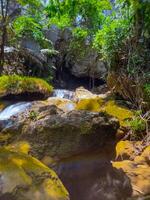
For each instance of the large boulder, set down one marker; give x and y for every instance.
(52, 132)
(23, 177)
(82, 64)
(80, 61)
(89, 65)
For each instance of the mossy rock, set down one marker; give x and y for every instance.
(14, 85)
(25, 178)
(138, 171)
(127, 149)
(90, 104)
(110, 107)
(120, 112)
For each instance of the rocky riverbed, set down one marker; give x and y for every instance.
(78, 137)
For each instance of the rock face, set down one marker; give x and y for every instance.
(86, 63)
(52, 132)
(89, 65)
(24, 61)
(25, 178)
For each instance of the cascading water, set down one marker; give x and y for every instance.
(66, 94)
(20, 107)
(13, 110)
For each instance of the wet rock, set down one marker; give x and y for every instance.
(64, 104)
(50, 131)
(104, 103)
(82, 93)
(23, 177)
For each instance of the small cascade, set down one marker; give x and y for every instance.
(65, 94)
(14, 109)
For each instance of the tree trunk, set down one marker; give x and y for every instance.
(4, 12)
(3, 40)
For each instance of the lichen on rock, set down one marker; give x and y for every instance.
(109, 106)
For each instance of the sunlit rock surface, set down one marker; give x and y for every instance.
(51, 131)
(138, 170)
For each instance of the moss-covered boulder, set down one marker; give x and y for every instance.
(28, 87)
(23, 177)
(90, 104)
(126, 149)
(138, 171)
(109, 106)
(52, 132)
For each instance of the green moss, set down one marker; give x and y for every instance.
(93, 104)
(118, 111)
(15, 84)
(110, 107)
(21, 171)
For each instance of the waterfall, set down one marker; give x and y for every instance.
(14, 109)
(66, 94)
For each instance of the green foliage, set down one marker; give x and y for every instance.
(33, 115)
(80, 33)
(83, 17)
(108, 40)
(49, 52)
(137, 124)
(32, 22)
(27, 26)
(147, 89)
(115, 29)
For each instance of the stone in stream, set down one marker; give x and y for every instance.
(53, 132)
(23, 177)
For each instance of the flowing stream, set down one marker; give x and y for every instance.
(65, 94)
(14, 109)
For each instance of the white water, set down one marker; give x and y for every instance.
(14, 110)
(20, 107)
(66, 94)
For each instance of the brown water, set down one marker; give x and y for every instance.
(92, 177)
